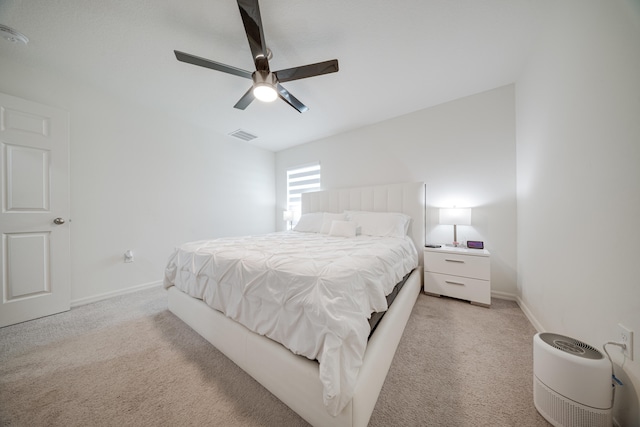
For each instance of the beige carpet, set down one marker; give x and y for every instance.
(129, 362)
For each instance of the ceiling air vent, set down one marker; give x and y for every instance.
(240, 134)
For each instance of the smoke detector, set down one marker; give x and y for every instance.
(12, 35)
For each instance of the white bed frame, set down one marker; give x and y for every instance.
(295, 379)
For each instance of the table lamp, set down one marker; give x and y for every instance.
(455, 217)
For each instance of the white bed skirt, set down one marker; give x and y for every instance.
(295, 379)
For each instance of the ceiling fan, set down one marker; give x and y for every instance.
(266, 83)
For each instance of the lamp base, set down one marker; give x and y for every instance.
(455, 236)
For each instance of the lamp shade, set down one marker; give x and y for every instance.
(455, 216)
(287, 215)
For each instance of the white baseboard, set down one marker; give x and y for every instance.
(536, 324)
(512, 297)
(96, 298)
(503, 295)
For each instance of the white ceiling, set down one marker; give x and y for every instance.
(395, 57)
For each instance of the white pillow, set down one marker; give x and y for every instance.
(342, 229)
(328, 218)
(310, 223)
(385, 224)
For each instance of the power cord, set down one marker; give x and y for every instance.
(613, 375)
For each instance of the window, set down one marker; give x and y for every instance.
(300, 180)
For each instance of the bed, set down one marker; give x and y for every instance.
(306, 385)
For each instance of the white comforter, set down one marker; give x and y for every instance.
(310, 292)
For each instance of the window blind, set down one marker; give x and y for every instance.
(300, 180)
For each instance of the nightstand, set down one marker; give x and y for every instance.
(459, 273)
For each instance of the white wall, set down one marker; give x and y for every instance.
(142, 181)
(464, 150)
(578, 163)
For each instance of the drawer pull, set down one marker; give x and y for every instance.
(454, 283)
(454, 260)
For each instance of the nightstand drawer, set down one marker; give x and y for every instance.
(458, 265)
(458, 287)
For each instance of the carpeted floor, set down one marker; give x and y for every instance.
(128, 361)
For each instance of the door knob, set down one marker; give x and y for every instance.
(58, 221)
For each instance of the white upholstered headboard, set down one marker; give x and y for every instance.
(407, 198)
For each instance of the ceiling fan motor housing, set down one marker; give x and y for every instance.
(261, 78)
(264, 86)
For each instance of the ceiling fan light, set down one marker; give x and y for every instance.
(265, 92)
(12, 35)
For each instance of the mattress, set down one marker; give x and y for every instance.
(377, 316)
(312, 293)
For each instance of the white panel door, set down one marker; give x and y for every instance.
(34, 253)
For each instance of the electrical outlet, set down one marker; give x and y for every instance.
(626, 338)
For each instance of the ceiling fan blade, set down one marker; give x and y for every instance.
(207, 63)
(305, 71)
(290, 99)
(250, 13)
(246, 99)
